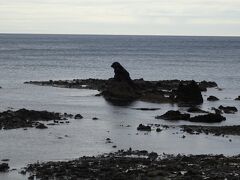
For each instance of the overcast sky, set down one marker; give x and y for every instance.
(153, 17)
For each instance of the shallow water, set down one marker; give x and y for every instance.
(29, 57)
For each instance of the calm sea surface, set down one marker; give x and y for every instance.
(44, 57)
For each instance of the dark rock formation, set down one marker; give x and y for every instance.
(212, 98)
(78, 116)
(174, 115)
(189, 93)
(209, 118)
(26, 118)
(228, 109)
(4, 167)
(121, 87)
(238, 98)
(122, 90)
(120, 73)
(196, 110)
(142, 127)
(216, 130)
(41, 126)
(203, 85)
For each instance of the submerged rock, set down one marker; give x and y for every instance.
(209, 118)
(228, 109)
(173, 115)
(212, 98)
(189, 93)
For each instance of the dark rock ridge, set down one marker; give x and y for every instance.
(196, 110)
(212, 98)
(122, 88)
(174, 115)
(27, 118)
(209, 118)
(177, 115)
(216, 130)
(228, 109)
(142, 127)
(189, 93)
(137, 165)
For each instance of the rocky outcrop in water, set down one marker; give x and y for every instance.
(121, 88)
(228, 109)
(24, 118)
(212, 98)
(173, 115)
(189, 93)
(238, 98)
(4, 167)
(209, 118)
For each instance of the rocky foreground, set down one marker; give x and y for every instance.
(137, 165)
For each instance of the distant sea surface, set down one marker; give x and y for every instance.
(44, 57)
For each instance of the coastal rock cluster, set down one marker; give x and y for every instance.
(139, 165)
(121, 88)
(24, 118)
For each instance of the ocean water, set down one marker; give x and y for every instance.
(44, 57)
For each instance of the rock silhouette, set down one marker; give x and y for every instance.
(189, 93)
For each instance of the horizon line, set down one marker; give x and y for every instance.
(83, 34)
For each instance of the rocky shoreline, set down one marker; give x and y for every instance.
(139, 165)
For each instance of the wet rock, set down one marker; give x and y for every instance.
(212, 98)
(41, 126)
(173, 115)
(24, 118)
(158, 130)
(209, 118)
(196, 110)
(207, 84)
(228, 109)
(4, 167)
(78, 116)
(142, 127)
(189, 93)
(238, 98)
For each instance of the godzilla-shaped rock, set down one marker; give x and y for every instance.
(121, 87)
